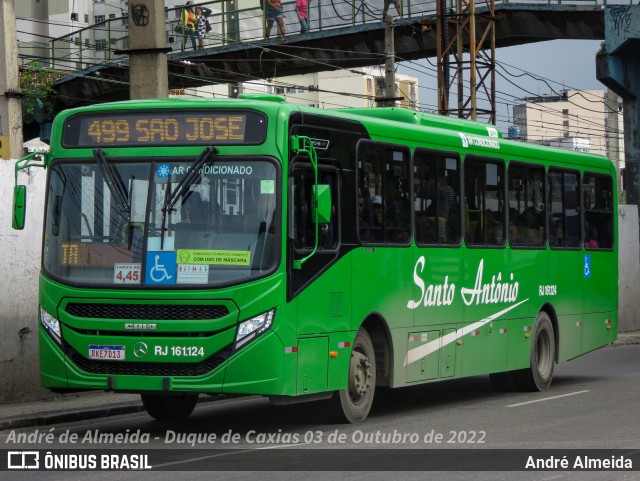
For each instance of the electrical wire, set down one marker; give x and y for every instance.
(328, 65)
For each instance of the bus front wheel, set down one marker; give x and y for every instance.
(355, 401)
(169, 407)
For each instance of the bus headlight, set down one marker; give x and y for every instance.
(252, 328)
(51, 325)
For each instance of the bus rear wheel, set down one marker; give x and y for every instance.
(355, 401)
(169, 407)
(539, 374)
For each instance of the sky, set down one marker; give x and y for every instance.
(564, 63)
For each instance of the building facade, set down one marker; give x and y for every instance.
(353, 88)
(584, 120)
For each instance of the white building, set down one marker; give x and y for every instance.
(584, 120)
(353, 88)
(85, 28)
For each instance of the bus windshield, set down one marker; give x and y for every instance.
(222, 228)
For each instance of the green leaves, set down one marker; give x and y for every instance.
(36, 84)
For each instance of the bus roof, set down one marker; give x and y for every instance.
(386, 123)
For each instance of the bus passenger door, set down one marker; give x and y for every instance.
(437, 265)
(487, 331)
(599, 269)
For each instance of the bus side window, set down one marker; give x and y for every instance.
(598, 211)
(303, 223)
(564, 209)
(526, 196)
(383, 190)
(436, 197)
(484, 195)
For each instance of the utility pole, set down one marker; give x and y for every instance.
(389, 99)
(10, 96)
(148, 72)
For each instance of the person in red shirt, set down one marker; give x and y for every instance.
(302, 9)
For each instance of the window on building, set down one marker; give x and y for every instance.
(101, 44)
(484, 197)
(526, 194)
(565, 112)
(291, 90)
(112, 16)
(565, 123)
(98, 18)
(86, 18)
(280, 90)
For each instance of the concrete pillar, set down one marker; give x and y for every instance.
(148, 73)
(619, 69)
(10, 98)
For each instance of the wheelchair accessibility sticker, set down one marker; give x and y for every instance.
(161, 268)
(587, 266)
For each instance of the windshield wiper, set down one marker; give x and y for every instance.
(171, 197)
(113, 181)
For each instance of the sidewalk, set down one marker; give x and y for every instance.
(97, 404)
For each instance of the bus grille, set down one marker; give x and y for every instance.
(125, 368)
(147, 312)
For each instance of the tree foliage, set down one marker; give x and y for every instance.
(38, 101)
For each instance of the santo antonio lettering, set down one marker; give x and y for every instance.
(493, 292)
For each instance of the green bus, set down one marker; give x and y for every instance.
(254, 246)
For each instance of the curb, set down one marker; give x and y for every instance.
(53, 417)
(84, 413)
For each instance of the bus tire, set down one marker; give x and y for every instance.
(539, 375)
(169, 407)
(355, 401)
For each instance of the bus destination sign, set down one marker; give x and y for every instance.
(157, 128)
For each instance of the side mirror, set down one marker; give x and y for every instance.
(19, 206)
(323, 209)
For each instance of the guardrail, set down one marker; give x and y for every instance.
(97, 43)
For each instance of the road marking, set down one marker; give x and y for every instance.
(547, 398)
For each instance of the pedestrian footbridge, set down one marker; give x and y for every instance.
(343, 34)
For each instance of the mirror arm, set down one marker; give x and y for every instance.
(24, 163)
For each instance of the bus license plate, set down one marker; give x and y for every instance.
(106, 353)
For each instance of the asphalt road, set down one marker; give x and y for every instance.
(592, 404)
